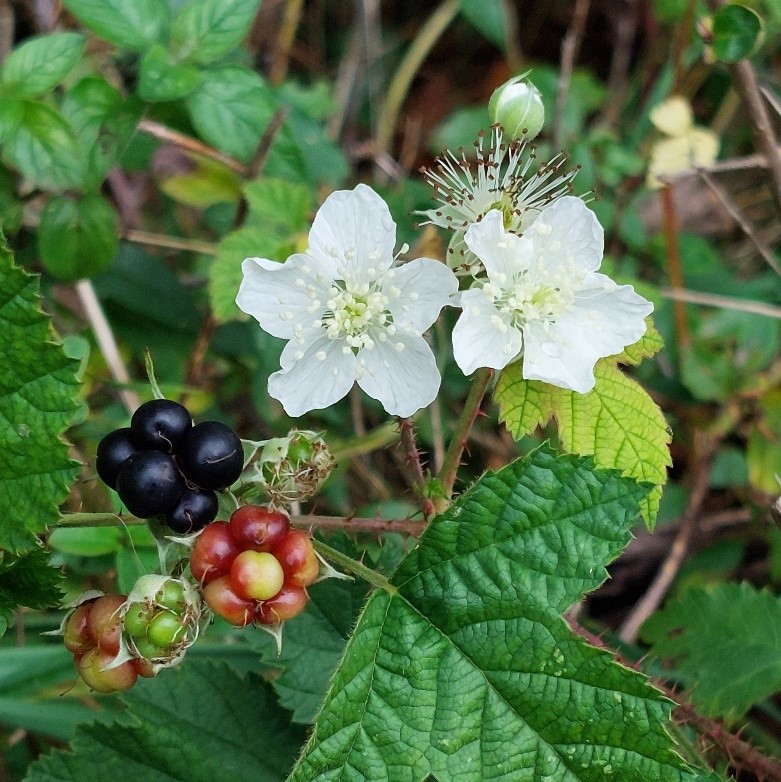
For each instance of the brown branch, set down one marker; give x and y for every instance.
(737, 215)
(618, 79)
(362, 525)
(170, 242)
(748, 87)
(189, 144)
(674, 264)
(722, 302)
(661, 584)
(569, 51)
(469, 413)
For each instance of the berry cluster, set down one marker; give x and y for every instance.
(93, 632)
(254, 568)
(157, 625)
(162, 465)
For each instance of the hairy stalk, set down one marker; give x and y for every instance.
(373, 440)
(356, 568)
(449, 471)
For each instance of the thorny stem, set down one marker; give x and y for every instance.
(373, 440)
(407, 432)
(356, 568)
(325, 523)
(737, 751)
(449, 471)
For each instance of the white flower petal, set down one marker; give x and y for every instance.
(482, 338)
(604, 319)
(353, 232)
(321, 377)
(418, 290)
(502, 253)
(401, 373)
(281, 295)
(566, 233)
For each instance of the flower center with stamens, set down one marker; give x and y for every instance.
(523, 300)
(353, 311)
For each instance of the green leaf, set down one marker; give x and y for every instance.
(43, 148)
(129, 25)
(617, 422)
(33, 680)
(196, 723)
(205, 30)
(78, 238)
(231, 109)
(103, 121)
(280, 207)
(11, 116)
(465, 669)
(86, 542)
(728, 640)
(737, 32)
(42, 62)
(313, 645)
(28, 580)
(225, 274)
(278, 211)
(163, 78)
(489, 17)
(38, 398)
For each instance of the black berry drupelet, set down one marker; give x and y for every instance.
(149, 484)
(113, 451)
(195, 509)
(160, 424)
(210, 455)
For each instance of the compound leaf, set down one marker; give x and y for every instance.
(38, 400)
(463, 669)
(197, 723)
(728, 640)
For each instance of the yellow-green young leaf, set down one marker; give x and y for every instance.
(208, 183)
(617, 422)
(523, 404)
(647, 346)
(38, 399)
(621, 426)
(763, 454)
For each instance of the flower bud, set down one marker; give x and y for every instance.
(517, 107)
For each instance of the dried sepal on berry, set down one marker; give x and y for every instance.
(290, 469)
